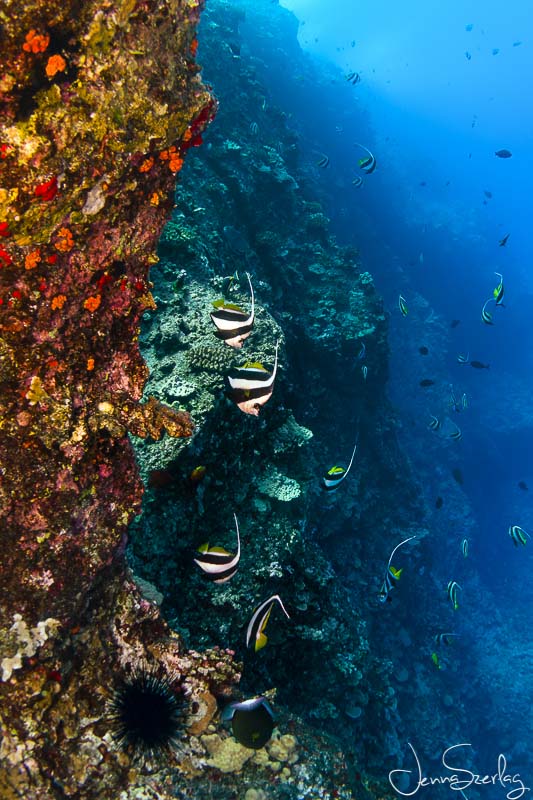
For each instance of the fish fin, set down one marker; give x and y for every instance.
(396, 572)
(335, 470)
(204, 547)
(261, 641)
(254, 365)
(219, 550)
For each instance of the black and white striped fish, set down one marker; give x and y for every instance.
(451, 591)
(217, 563)
(518, 535)
(233, 324)
(392, 575)
(251, 385)
(456, 433)
(486, 316)
(462, 359)
(335, 476)
(444, 638)
(255, 633)
(368, 163)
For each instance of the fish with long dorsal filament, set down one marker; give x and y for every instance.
(251, 385)
(256, 627)
(233, 324)
(368, 163)
(451, 591)
(335, 476)
(219, 565)
(392, 575)
(518, 535)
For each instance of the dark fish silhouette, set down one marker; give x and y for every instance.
(438, 502)
(479, 365)
(522, 485)
(487, 194)
(454, 323)
(503, 153)
(426, 382)
(503, 241)
(458, 475)
(423, 351)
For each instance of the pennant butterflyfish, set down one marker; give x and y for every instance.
(444, 638)
(434, 423)
(456, 434)
(353, 78)
(368, 163)
(252, 721)
(462, 359)
(217, 563)
(335, 476)
(323, 162)
(486, 316)
(518, 535)
(357, 181)
(251, 385)
(499, 290)
(233, 324)
(255, 632)
(464, 548)
(392, 575)
(451, 591)
(402, 305)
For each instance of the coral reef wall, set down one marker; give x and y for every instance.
(100, 104)
(247, 202)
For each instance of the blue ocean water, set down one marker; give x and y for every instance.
(442, 88)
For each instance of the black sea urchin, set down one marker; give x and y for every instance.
(146, 715)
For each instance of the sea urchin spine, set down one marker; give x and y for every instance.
(146, 714)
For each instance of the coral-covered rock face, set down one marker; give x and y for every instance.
(100, 103)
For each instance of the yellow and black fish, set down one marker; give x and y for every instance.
(451, 591)
(486, 316)
(255, 632)
(518, 535)
(252, 721)
(251, 385)
(368, 163)
(402, 305)
(392, 575)
(233, 324)
(217, 563)
(499, 290)
(335, 476)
